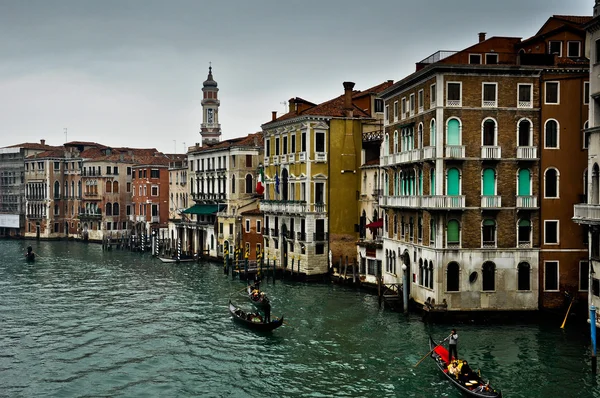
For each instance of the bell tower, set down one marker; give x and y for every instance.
(210, 129)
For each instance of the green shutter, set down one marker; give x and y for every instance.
(453, 182)
(453, 232)
(489, 182)
(524, 183)
(453, 132)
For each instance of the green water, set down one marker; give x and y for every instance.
(81, 322)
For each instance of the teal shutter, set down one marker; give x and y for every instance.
(524, 183)
(489, 182)
(453, 182)
(453, 132)
(453, 231)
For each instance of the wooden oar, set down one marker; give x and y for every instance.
(429, 353)
(567, 314)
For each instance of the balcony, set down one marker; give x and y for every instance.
(443, 202)
(208, 196)
(276, 160)
(291, 158)
(155, 219)
(413, 155)
(301, 236)
(455, 151)
(320, 236)
(454, 103)
(266, 161)
(491, 152)
(489, 104)
(302, 157)
(524, 104)
(265, 231)
(526, 202)
(527, 153)
(400, 201)
(283, 206)
(491, 202)
(377, 193)
(320, 156)
(586, 214)
(429, 152)
(274, 232)
(140, 218)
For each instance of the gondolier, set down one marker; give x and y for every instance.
(452, 345)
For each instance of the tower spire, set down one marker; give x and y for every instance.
(210, 130)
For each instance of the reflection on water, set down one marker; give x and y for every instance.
(83, 322)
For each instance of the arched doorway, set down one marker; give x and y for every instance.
(406, 261)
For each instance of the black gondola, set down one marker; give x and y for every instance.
(474, 387)
(260, 299)
(253, 320)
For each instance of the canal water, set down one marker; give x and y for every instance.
(80, 322)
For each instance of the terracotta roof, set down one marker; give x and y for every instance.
(372, 162)
(560, 61)
(78, 143)
(576, 19)
(375, 89)
(252, 139)
(52, 153)
(32, 145)
(252, 212)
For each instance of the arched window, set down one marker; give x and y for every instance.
(488, 233)
(396, 141)
(56, 190)
(115, 187)
(248, 183)
(421, 272)
(488, 274)
(72, 188)
(115, 209)
(426, 274)
(432, 133)
(489, 132)
(452, 277)
(420, 136)
(551, 139)
(79, 189)
(524, 182)
(551, 183)
(430, 275)
(524, 233)
(525, 132)
(488, 182)
(109, 209)
(432, 232)
(66, 191)
(453, 132)
(108, 186)
(453, 182)
(233, 183)
(523, 276)
(386, 145)
(453, 233)
(595, 194)
(432, 181)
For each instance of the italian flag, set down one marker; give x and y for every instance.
(260, 188)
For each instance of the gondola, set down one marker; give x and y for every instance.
(253, 320)
(477, 387)
(180, 259)
(30, 255)
(260, 300)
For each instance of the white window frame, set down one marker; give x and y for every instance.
(557, 92)
(459, 103)
(523, 104)
(494, 54)
(557, 232)
(432, 95)
(411, 104)
(247, 225)
(475, 55)
(489, 104)
(386, 115)
(550, 45)
(557, 275)
(258, 227)
(403, 108)
(557, 183)
(395, 111)
(420, 100)
(578, 48)
(152, 189)
(495, 131)
(557, 134)
(586, 98)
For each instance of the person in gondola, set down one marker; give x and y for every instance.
(30, 255)
(452, 344)
(466, 373)
(267, 309)
(257, 281)
(453, 369)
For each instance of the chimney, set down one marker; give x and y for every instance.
(43, 142)
(348, 86)
(481, 36)
(273, 115)
(292, 105)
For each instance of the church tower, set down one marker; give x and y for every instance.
(210, 129)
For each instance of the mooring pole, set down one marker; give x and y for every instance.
(593, 334)
(404, 288)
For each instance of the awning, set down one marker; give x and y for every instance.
(375, 224)
(203, 209)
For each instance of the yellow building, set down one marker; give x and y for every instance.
(312, 174)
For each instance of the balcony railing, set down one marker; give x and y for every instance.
(140, 218)
(491, 152)
(524, 104)
(302, 156)
(453, 102)
(400, 201)
(489, 104)
(320, 156)
(276, 159)
(587, 213)
(266, 161)
(526, 202)
(283, 206)
(429, 152)
(491, 201)
(291, 157)
(455, 151)
(443, 202)
(155, 219)
(320, 236)
(527, 152)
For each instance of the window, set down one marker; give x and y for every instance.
(378, 105)
(453, 234)
(284, 151)
(597, 51)
(268, 147)
(432, 133)
(453, 94)
(524, 95)
(412, 104)
(56, 165)
(258, 229)
(386, 115)
(395, 110)
(452, 277)
(320, 141)
(524, 233)
(128, 187)
(551, 183)
(109, 209)
(586, 92)
(108, 170)
(552, 93)
(491, 59)
(432, 232)
(303, 141)
(551, 134)
(584, 276)
(573, 49)
(420, 100)
(319, 192)
(293, 143)
(432, 94)
(489, 133)
(277, 146)
(523, 277)
(128, 210)
(404, 110)
(555, 47)
(488, 275)
(551, 276)
(249, 184)
(525, 133)
(586, 135)
(128, 171)
(490, 95)
(475, 59)
(247, 225)
(488, 233)
(154, 190)
(116, 210)
(550, 232)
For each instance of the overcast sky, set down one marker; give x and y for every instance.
(130, 73)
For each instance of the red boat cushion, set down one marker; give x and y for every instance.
(442, 352)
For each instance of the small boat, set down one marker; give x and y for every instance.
(30, 255)
(474, 387)
(253, 320)
(175, 259)
(258, 298)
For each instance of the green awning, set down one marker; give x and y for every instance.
(203, 209)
